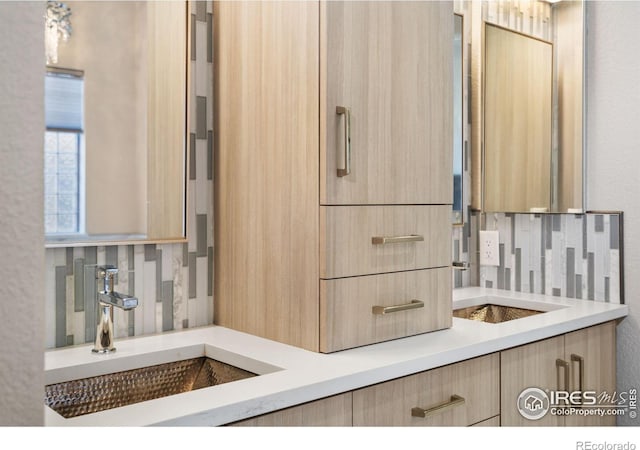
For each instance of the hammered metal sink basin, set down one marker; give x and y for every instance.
(491, 313)
(89, 395)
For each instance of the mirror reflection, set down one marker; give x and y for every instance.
(518, 75)
(116, 116)
(557, 170)
(458, 137)
(532, 129)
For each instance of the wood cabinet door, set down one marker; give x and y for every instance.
(390, 63)
(592, 355)
(529, 366)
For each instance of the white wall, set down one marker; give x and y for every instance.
(21, 218)
(613, 152)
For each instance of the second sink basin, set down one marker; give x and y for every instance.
(491, 313)
(98, 393)
(500, 307)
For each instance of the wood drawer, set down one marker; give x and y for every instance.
(327, 412)
(390, 404)
(347, 319)
(493, 422)
(346, 233)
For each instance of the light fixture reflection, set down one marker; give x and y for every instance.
(57, 26)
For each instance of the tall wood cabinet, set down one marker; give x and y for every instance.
(333, 135)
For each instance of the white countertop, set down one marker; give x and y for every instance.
(292, 376)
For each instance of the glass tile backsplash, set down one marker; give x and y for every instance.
(570, 255)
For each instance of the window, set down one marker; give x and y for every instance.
(64, 152)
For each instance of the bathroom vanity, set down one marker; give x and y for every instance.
(469, 374)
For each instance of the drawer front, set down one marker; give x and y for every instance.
(459, 394)
(352, 309)
(364, 240)
(327, 412)
(493, 422)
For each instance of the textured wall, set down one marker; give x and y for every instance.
(173, 282)
(613, 159)
(21, 218)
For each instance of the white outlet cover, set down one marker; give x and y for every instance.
(489, 248)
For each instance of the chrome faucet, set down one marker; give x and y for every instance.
(107, 299)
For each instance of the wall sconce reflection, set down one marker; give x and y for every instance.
(57, 26)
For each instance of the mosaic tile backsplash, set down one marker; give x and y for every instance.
(173, 282)
(572, 255)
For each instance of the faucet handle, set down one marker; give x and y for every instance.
(460, 265)
(105, 272)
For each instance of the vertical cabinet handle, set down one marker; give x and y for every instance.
(580, 360)
(340, 110)
(454, 401)
(561, 363)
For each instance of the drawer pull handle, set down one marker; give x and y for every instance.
(382, 240)
(347, 140)
(381, 310)
(455, 400)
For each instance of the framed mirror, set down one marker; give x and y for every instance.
(523, 140)
(116, 116)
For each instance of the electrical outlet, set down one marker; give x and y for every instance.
(489, 248)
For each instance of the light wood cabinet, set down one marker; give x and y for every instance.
(287, 225)
(346, 306)
(327, 412)
(531, 365)
(459, 394)
(591, 352)
(481, 391)
(555, 364)
(347, 234)
(391, 63)
(266, 138)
